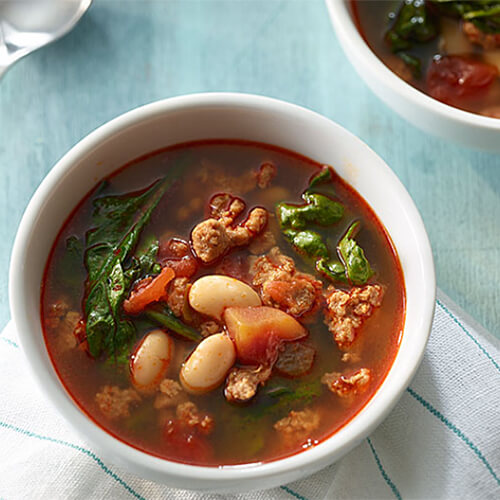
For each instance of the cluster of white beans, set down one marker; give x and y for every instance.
(207, 366)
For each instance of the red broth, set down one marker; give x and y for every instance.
(240, 433)
(459, 65)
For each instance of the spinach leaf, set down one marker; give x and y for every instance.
(307, 242)
(412, 23)
(144, 261)
(323, 210)
(118, 222)
(357, 266)
(286, 398)
(484, 14)
(323, 177)
(162, 315)
(319, 210)
(333, 269)
(414, 63)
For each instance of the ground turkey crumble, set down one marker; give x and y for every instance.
(298, 425)
(188, 414)
(242, 383)
(214, 237)
(171, 394)
(177, 295)
(282, 286)
(488, 41)
(347, 310)
(115, 402)
(344, 386)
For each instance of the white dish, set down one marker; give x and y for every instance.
(462, 127)
(240, 116)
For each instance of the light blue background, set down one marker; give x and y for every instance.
(127, 53)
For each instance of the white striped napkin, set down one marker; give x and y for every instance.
(441, 441)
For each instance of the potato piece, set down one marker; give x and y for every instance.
(453, 40)
(259, 331)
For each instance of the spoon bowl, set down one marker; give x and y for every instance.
(27, 25)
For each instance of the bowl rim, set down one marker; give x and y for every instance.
(148, 465)
(346, 28)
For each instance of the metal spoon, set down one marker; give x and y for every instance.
(27, 25)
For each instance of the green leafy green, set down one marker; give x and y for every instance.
(323, 177)
(414, 63)
(319, 210)
(117, 224)
(144, 263)
(287, 398)
(333, 269)
(484, 14)
(307, 242)
(162, 315)
(356, 264)
(412, 23)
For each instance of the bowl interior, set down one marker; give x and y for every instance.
(236, 117)
(435, 117)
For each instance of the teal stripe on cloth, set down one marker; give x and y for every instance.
(455, 431)
(10, 342)
(293, 493)
(89, 453)
(462, 327)
(386, 477)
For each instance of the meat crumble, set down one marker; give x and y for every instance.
(214, 237)
(242, 383)
(344, 386)
(282, 286)
(298, 425)
(347, 310)
(115, 402)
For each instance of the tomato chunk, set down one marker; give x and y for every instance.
(147, 291)
(186, 443)
(259, 331)
(450, 78)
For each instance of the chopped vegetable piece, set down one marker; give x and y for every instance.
(259, 331)
(118, 222)
(308, 243)
(148, 290)
(413, 23)
(357, 266)
(162, 315)
(323, 177)
(332, 269)
(450, 78)
(319, 210)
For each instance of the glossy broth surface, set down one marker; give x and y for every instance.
(242, 433)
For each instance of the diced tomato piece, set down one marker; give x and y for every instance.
(259, 331)
(183, 268)
(450, 78)
(147, 291)
(186, 443)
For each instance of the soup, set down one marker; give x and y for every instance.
(449, 50)
(222, 302)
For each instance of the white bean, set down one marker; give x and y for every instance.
(211, 294)
(208, 365)
(150, 361)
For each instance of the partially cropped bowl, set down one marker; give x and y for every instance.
(233, 116)
(462, 127)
